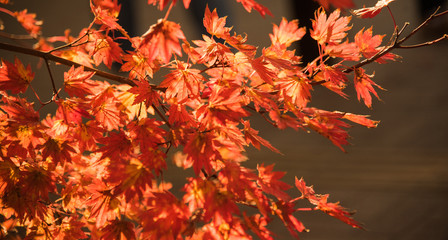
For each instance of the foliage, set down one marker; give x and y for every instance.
(94, 169)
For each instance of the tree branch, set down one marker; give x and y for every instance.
(51, 57)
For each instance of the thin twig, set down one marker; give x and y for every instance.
(55, 91)
(425, 43)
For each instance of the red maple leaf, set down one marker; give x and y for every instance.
(201, 148)
(371, 12)
(328, 124)
(103, 49)
(364, 86)
(332, 209)
(224, 104)
(119, 229)
(77, 82)
(144, 93)
(107, 17)
(270, 182)
(183, 83)
(284, 210)
(15, 77)
(137, 64)
(369, 45)
(161, 41)
(251, 136)
(361, 119)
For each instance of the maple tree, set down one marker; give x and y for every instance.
(94, 169)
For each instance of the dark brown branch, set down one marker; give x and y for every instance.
(55, 91)
(51, 57)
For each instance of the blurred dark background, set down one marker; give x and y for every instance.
(395, 176)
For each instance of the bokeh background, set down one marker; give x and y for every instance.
(394, 176)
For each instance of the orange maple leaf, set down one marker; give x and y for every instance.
(214, 24)
(287, 32)
(371, 12)
(183, 82)
(161, 41)
(103, 49)
(270, 182)
(329, 30)
(332, 209)
(29, 22)
(15, 77)
(77, 82)
(369, 45)
(119, 229)
(364, 86)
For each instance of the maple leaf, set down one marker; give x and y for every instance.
(283, 120)
(336, 3)
(332, 209)
(147, 133)
(58, 149)
(361, 119)
(329, 30)
(15, 77)
(111, 6)
(178, 115)
(183, 82)
(144, 93)
(119, 229)
(262, 70)
(103, 49)
(287, 32)
(214, 24)
(77, 82)
(371, 12)
(103, 202)
(29, 22)
(225, 104)
(138, 66)
(364, 86)
(115, 146)
(37, 182)
(296, 88)
(162, 40)
(284, 211)
(165, 218)
(328, 124)
(209, 50)
(71, 111)
(251, 4)
(71, 228)
(107, 18)
(369, 45)
(270, 182)
(251, 136)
